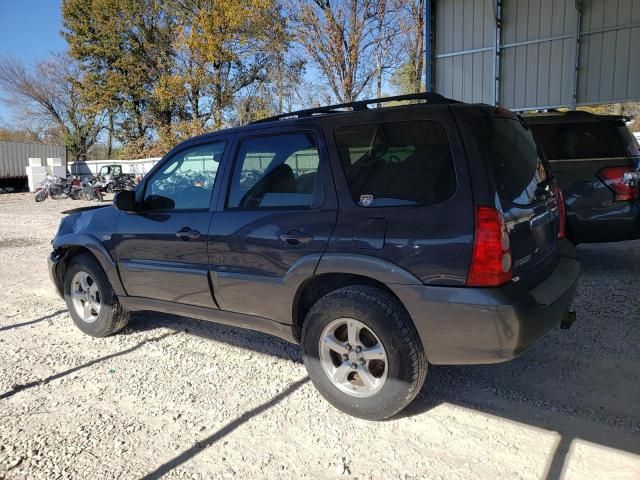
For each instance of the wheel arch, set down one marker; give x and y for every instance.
(341, 270)
(70, 246)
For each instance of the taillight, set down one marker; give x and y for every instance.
(561, 213)
(491, 258)
(622, 180)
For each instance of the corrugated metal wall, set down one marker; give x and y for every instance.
(464, 26)
(536, 66)
(610, 51)
(14, 156)
(538, 51)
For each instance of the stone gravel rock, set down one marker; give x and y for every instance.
(184, 398)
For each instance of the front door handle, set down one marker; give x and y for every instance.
(296, 237)
(187, 234)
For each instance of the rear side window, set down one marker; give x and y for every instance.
(581, 140)
(277, 171)
(512, 157)
(395, 164)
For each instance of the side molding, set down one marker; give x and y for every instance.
(251, 322)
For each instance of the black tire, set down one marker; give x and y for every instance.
(389, 321)
(112, 317)
(40, 196)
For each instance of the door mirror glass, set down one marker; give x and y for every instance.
(185, 181)
(125, 201)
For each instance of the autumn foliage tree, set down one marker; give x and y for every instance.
(124, 47)
(222, 47)
(171, 69)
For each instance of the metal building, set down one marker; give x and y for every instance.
(533, 54)
(14, 157)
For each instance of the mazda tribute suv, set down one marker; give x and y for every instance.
(381, 239)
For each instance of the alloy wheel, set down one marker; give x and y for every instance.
(353, 357)
(85, 296)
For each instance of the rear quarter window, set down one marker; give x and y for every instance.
(397, 164)
(511, 155)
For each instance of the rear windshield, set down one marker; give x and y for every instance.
(512, 157)
(397, 164)
(563, 141)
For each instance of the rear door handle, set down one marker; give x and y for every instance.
(296, 237)
(187, 234)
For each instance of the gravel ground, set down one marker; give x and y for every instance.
(189, 399)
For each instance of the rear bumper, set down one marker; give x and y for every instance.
(489, 325)
(617, 222)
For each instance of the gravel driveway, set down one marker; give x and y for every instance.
(189, 399)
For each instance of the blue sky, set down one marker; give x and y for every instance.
(29, 31)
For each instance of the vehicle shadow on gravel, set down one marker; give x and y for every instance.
(234, 336)
(583, 383)
(227, 429)
(43, 381)
(31, 322)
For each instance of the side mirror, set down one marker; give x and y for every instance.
(125, 201)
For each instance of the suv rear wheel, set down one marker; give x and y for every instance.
(92, 303)
(362, 352)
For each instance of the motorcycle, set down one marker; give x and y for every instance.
(119, 183)
(58, 188)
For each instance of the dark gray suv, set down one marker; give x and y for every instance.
(381, 239)
(596, 161)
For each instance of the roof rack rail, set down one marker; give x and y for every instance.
(359, 105)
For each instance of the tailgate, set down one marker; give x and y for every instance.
(526, 195)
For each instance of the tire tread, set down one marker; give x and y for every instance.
(402, 323)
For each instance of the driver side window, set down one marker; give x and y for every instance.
(186, 181)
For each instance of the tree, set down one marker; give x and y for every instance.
(630, 109)
(223, 47)
(172, 68)
(346, 41)
(124, 47)
(412, 27)
(51, 92)
(9, 134)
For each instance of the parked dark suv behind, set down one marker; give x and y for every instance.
(381, 239)
(596, 161)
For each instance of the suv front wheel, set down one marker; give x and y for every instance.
(92, 303)
(362, 352)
